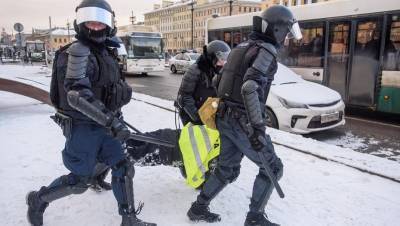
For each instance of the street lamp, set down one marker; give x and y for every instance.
(230, 6)
(69, 37)
(192, 9)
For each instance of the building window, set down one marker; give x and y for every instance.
(65, 40)
(55, 40)
(240, 9)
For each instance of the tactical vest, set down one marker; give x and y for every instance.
(107, 84)
(199, 145)
(239, 60)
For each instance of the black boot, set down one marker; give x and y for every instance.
(258, 219)
(201, 212)
(130, 219)
(36, 208)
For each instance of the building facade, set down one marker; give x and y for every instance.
(174, 21)
(267, 3)
(54, 38)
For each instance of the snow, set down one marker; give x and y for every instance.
(63, 32)
(318, 192)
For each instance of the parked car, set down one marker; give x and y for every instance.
(182, 61)
(299, 106)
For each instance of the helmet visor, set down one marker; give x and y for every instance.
(223, 56)
(295, 31)
(87, 14)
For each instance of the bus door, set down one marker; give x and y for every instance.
(338, 56)
(365, 62)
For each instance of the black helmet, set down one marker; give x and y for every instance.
(217, 50)
(277, 22)
(98, 11)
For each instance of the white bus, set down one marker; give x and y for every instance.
(144, 51)
(351, 46)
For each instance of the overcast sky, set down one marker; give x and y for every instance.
(35, 13)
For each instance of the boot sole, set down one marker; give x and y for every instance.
(196, 218)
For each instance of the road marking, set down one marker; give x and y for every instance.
(373, 122)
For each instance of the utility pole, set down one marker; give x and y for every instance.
(50, 22)
(133, 19)
(192, 9)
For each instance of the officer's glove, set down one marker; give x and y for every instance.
(257, 138)
(119, 130)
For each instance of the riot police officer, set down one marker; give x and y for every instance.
(243, 89)
(88, 93)
(197, 85)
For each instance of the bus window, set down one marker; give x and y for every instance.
(227, 37)
(308, 52)
(392, 47)
(245, 33)
(237, 39)
(214, 35)
(368, 42)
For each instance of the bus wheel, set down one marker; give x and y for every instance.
(173, 69)
(272, 121)
(144, 74)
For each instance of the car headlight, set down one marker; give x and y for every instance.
(291, 104)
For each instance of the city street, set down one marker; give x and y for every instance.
(374, 135)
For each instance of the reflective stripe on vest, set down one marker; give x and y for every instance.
(199, 145)
(196, 151)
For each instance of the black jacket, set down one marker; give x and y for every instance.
(195, 88)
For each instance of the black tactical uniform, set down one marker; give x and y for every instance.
(197, 85)
(243, 89)
(88, 92)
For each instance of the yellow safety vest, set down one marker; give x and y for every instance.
(199, 145)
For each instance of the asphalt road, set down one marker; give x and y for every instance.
(364, 132)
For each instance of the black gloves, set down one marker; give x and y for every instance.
(119, 130)
(257, 138)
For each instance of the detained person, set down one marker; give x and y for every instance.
(197, 84)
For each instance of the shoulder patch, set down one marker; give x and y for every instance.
(270, 48)
(79, 50)
(263, 60)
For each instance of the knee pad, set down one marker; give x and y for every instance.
(227, 174)
(277, 168)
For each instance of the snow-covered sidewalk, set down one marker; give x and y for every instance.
(318, 192)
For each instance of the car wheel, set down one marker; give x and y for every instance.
(173, 69)
(272, 121)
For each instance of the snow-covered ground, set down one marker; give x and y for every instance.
(318, 192)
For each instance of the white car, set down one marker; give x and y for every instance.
(299, 106)
(182, 61)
